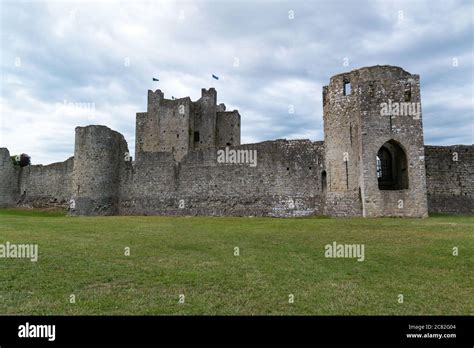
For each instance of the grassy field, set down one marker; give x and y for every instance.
(194, 256)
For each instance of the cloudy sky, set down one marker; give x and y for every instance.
(66, 64)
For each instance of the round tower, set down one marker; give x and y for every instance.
(98, 156)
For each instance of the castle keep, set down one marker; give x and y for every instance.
(372, 162)
(180, 126)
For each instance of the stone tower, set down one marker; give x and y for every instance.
(374, 144)
(179, 126)
(100, 155)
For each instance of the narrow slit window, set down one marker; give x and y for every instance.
(350, 132)
(347, 175)
(407, 92)
(323, 181)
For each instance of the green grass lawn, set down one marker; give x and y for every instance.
(194, 256)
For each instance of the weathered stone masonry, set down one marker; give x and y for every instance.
(450, 178)
(369, 164)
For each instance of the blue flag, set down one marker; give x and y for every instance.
(215, 77)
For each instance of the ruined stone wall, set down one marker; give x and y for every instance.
(147, 187)
(46, 186)
(174, 127)
(343, 204)
(205, 119)
(284, 182)
(165, 127)
(341, 136)
(9, 186)
(450, 179)
(228, 128)
(383, 84)
(355, 125)
(147, 124)
(342, 147)
(142, 124)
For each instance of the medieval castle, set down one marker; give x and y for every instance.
(189, 161)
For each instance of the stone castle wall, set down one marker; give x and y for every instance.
(9, 177)
(450, 179)
(228, 128)
(285, 182)
(282, 183)
(46, 186)
(35, 186)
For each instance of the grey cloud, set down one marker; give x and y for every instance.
(282, 62)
